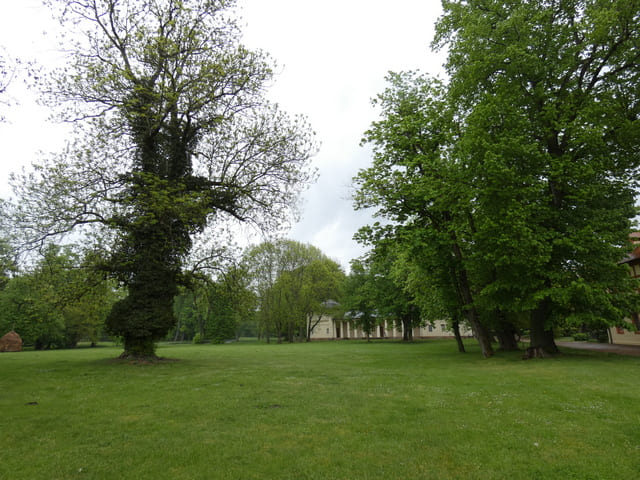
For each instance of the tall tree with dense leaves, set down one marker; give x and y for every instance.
(392, 297)
(320, 292)
(549, 92)
(305, 293)
(174, 136)
(421, 188)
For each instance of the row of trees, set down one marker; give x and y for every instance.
(509, 190)
(278, 289)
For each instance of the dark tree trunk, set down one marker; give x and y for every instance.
(542, 343)
(407, 324)
(466, 299)
(507, 340)
(456, 332)
(481, 333)
(506, 334)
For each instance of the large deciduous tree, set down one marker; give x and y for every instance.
(420, 187)
(174, 136)
(513, 186)
(550, 97)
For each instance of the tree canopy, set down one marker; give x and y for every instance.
(292, 282)
(58, 302)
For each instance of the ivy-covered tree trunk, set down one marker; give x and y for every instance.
(156, 236)
(146, 314)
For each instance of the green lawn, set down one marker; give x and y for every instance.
(334, 410)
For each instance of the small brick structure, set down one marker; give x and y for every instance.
(11, 342)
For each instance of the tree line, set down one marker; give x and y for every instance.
(276, 291)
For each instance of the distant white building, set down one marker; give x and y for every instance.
(330, 328)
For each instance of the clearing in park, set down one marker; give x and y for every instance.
(329, 410)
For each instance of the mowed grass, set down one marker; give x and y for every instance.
(334, 410)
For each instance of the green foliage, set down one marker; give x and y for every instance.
(215, 310)
(60, 302)
(581, 337)
(421, 188)
(376, 291)
(547, 137)
(359, 301)
(293, 283)
(512, 188)
(7, 263)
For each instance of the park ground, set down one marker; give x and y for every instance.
(332, 410)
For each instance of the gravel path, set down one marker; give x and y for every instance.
(633, 350)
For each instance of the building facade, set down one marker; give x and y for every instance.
(329, 328)
(630, 336)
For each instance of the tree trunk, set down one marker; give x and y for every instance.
(456, 332)
(507, 340)
(506, 334)
(542, 343)
(407, 335)
(481, 333)
(139, 347)
(466, 299)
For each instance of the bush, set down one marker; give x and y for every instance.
(581, 337)
(197, 338)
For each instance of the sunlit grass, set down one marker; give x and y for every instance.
(333, 410)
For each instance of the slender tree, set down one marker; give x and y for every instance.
(175, 137)
(419, 185)
(359, 302)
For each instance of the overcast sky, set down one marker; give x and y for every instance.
(332, 57)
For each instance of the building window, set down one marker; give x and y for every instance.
(327, 331)
(620, 330)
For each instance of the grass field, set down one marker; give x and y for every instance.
(334, 410)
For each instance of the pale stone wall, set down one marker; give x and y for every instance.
(624, 337)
